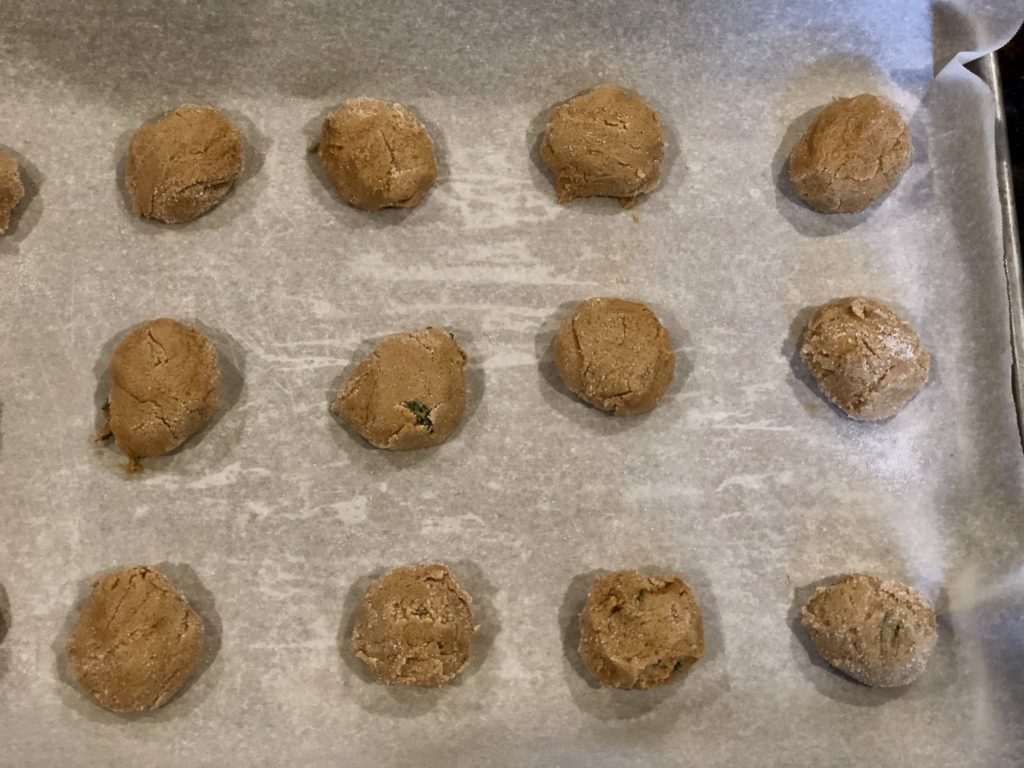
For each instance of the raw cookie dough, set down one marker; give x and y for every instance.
(11, 189)
(409, 393)
(605, 143)
(615, 355)
(639, 631)
(414, 627)
(165, 387)
(867, 360)
(853, 153)
(137, 641)
(880, 633)
(377, 155)
(182, 165)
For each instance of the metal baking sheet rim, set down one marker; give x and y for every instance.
(987, 67)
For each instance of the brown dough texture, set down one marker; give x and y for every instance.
(137, 641)
(414, 627)
(880, 633)
(866, 358)
(182, 165)
(377, 155)
(639, 631)
(166, 382)
(409, 393)
(11, 189)
(853, 153)
(615, 355)
(605, 143)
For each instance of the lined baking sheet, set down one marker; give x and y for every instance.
(744, 481)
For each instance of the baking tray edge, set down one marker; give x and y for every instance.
(987, 68)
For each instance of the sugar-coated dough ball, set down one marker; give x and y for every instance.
(880, 633)
(853, 153)
(866, 358)
(414, 627)
(605, 143)
(182, 165)
(615, 355)
(137, 641)
(165, 386)
(639, 631)
(11, 189)
(377, 155)
(409, 393)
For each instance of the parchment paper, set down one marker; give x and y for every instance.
(744, 480)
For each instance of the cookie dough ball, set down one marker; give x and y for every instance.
(880, 633)
(137, 641)
(414, 627)
(605, 143)
(615, 355)
(409, 393)
(165, 387)
(11, 189)
(640, 631)
(853, 153)
(182, 165)
(867, 360)
(377, 155)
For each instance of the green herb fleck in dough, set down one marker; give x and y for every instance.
(678, 665)
(421, 412)
(641, 594)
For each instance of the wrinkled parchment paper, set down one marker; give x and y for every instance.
(745, 480)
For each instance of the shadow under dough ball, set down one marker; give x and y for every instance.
(854, 152)
(137, 641)
(865, 357)
(880, 633)
(11, 189)
(182, 165)
(640, 631)
(604, 143)
(165, 387)
(414, 627)
(377, 155)
(615, 355)
(409, 393)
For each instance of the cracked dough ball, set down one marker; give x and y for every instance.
(377, 155)
(166, 382)
(615, 355)
(853, 153)
(182, 165)
(11, 189)
(414, 627)
(880, 633)
(409, 393)
(605, 143)
(639, 631)
(867, 360)
(137, 641)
